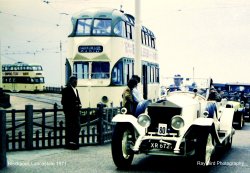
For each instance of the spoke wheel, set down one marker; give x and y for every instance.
(204, 151)
(209, 149)
(122, 141)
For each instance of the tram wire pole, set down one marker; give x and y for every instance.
(1, 80)
(61, 82)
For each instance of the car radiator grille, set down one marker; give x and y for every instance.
(162, 115)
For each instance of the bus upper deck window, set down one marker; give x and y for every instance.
(83, 27)
(119, 29)
(102, 27)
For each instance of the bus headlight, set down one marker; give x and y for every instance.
(177, 122)
(144, 120)
(105, 99)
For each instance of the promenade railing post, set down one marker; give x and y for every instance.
(55, 124)
(29, 127)
(3, 157)
(100, 112)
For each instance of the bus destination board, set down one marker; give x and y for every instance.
(90, 49)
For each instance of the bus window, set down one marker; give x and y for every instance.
(156, 74)
(129, 31)
(37, 68)
(83, 26)
(128, 69)
(28, 80)
(119, 29)
(117, 74)
(100, 70)
(102, 27)
(153, 42)
(41, 80)
(81, 70)
(35, 80)
(142, 37)
(149, 40)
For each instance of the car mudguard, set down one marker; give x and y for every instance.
(122, 118)
(203, 121)
(226, 118)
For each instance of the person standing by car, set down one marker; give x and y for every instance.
(71, 108)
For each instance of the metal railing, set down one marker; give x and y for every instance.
(31, 129)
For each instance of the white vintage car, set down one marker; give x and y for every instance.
(184, 123)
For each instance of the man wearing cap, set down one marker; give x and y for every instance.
(178, 81)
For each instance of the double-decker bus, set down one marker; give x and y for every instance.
(22, 77)
(102, 56)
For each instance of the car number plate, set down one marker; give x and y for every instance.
(162, 129)
(158, 145)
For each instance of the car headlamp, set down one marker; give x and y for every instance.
(177, 122)
(205, 114)
(144, 120)
(123, 110)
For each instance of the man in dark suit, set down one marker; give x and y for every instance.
(71, 108)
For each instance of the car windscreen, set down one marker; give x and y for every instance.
(187, 84)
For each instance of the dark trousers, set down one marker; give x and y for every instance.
(72, 130)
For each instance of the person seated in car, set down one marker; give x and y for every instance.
(127, 97)
(242, 97)
(177, 86)
(140, 103)
(213, 94)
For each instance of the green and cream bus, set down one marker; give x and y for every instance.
(22, 77)
(102, 56)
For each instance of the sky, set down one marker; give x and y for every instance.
(201, 38)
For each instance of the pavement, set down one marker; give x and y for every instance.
(19, 103)
(88, 159)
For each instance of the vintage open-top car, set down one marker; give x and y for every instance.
(239, 112)
(185, 123)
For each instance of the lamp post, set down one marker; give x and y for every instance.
(61, 73)
(61, 58)
(1, 77)
(138, 37)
